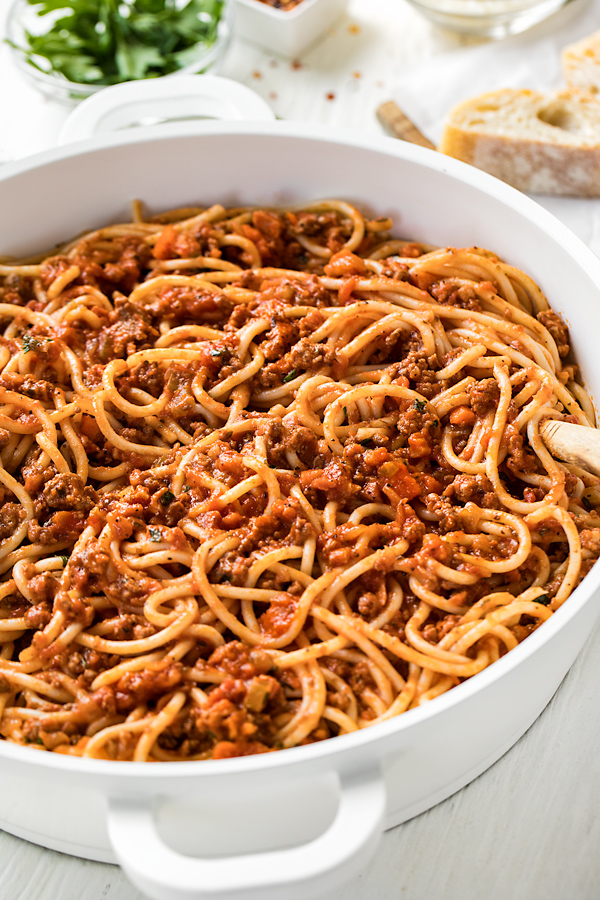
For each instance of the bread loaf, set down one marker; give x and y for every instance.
(540, 143)
(581, 64)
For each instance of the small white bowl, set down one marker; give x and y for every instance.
(487, 18)
(288, 33)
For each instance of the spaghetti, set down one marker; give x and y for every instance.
(270, 477)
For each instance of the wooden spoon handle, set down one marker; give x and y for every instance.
(391, 116)
(575, 444)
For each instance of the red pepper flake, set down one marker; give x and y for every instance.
(330, 95)
(296, 64)
(257, 74)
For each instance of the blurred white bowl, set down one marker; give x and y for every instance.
(288, 33)
(22, 17)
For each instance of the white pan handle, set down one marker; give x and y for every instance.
(157, 100)
(299, 873)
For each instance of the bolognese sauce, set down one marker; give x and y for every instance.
(272, 476)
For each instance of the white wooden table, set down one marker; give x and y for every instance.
(528, 828)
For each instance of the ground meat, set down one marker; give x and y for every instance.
(239, 661)
(42, 587)
(557, 328)
(474, 488)
(152, 682)
(590, 540)
(38, 616)
(520, 457)
(181, 305)
(130, 330)
(88, 562)
(484, 396)
(36, 388)
(453, 292)
(67, 492)
(242, 711)
(279, 340)
(10, 518)
(282, 438)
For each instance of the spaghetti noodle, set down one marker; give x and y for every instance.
(270, 477)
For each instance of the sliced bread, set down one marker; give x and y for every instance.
(581, 64)
(540, 143)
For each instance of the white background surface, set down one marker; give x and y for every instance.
(529, 828)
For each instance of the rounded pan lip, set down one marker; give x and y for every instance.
(314, 133)
(349, 744)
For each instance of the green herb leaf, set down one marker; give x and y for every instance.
(64, 559)
(155, 533)
(544, 599)
(421, 405)
(102, 42)
(30, 343)
(586, 504)
(290, 376)
(166, 498)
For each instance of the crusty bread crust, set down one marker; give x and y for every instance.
(539, 143)
(581, 64)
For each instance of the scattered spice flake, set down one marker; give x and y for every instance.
(273, 95)
(257, 74)
(354, 29)
(283, 5)
(296, 64)
(356, 75)
(330, 95)
(273, 63)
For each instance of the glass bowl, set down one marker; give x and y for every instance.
(22, 17)
(487, 18)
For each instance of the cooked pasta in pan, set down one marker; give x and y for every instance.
(272, 476)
